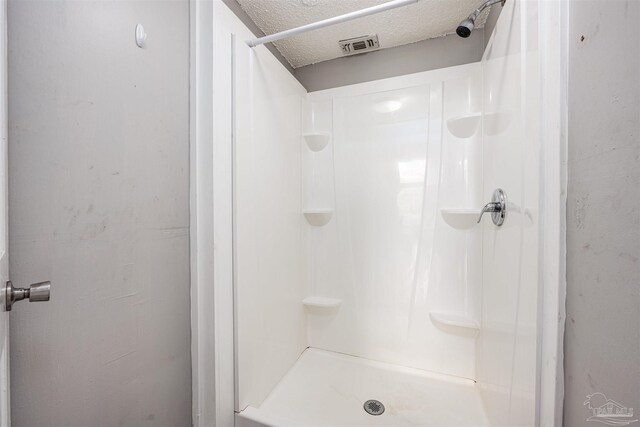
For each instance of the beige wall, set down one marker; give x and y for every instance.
(99, 205)
(602, 340)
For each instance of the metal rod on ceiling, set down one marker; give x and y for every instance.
(331, 21)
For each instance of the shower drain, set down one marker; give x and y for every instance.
(373, 407)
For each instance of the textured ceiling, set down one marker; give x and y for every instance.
(423, 20)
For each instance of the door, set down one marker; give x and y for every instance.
(8, 294)
(4, 256)
(98, 166)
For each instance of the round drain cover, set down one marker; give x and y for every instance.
(373, 407)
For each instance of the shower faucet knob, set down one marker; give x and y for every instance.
(497, 207)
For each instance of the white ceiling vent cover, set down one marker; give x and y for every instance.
(359, 45)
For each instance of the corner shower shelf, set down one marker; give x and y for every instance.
(316, 141)
(318, 217)
(464, 126)
(454, 319)
(460, 218)
(322, 304)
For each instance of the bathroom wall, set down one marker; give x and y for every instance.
(99, 205)
(402, 176)
(269, 261)
(507, 346)
(431, 54)
(602, 340)
(490, 23)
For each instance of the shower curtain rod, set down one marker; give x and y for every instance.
(331, 21)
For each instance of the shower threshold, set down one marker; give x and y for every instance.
(325, 388)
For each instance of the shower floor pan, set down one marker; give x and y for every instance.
(329, 389)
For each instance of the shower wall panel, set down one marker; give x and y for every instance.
(401, 254)
(269, 243)
(507, 343)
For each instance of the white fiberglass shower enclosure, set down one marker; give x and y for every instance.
(349, 264)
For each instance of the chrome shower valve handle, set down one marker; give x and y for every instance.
(490, 207)
(497, 207)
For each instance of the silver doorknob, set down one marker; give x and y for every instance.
(497, 207)
(37, 292)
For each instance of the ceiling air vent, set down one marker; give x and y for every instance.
(359, 45)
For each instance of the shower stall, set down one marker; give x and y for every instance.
(374, 252)
(342, 274)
